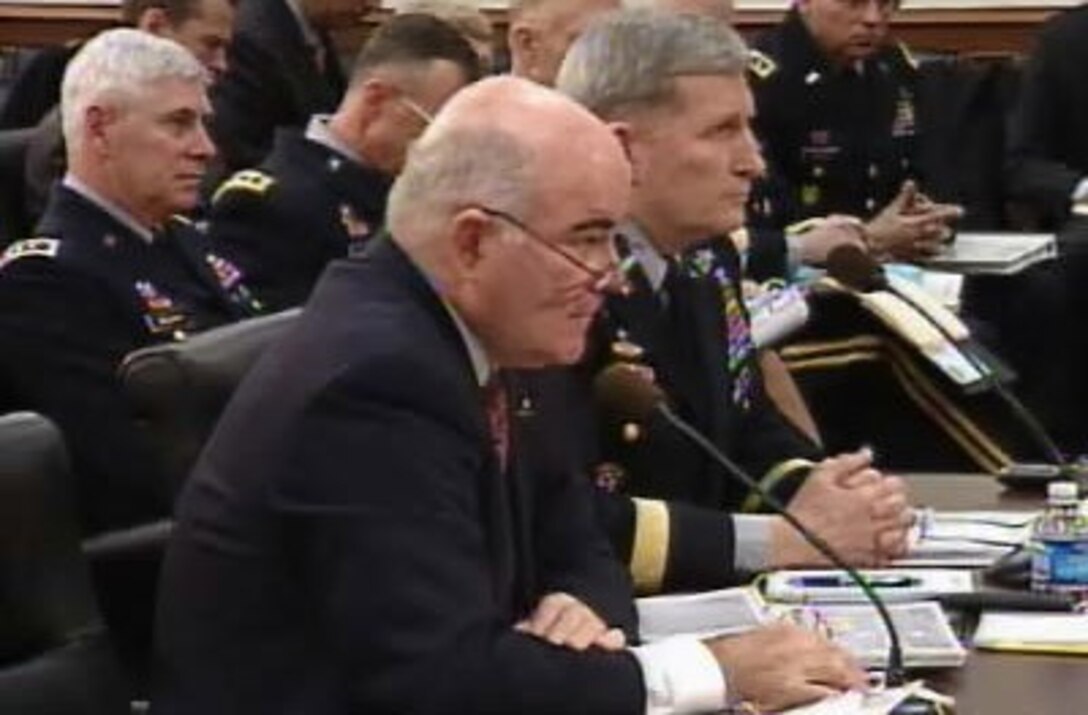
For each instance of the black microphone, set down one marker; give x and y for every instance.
(624, 393)
(856, 269)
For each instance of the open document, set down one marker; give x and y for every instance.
(926, 636)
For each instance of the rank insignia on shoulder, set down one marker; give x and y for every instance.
(31, 247)
(761, 65)
(250, 181)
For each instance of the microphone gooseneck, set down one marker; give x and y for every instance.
(623, 392)
(856, 269)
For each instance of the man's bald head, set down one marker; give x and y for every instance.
(515, 241)
(494, 143)
(714, 9)
(542, 30)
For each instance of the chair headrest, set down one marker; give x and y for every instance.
(178, 390)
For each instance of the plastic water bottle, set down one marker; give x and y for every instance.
(1059, 562)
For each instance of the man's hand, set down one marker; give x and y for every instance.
(860, 513)
(911, 226)
(828, 234)
(780, 666)
(563, 620)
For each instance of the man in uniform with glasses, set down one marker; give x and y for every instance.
(321, 193)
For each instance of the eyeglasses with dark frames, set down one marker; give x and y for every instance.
(603, 280)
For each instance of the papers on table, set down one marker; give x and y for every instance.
(924, 631)
(834, 586)
(705, 614)
(876, 702)
(965, 538)
(1061, 633)
(993, 253)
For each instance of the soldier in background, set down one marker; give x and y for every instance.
(837, 122)
(112, 269)
(321, 193)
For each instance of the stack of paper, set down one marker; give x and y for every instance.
(994, 253)
(1062, 633)
(923, 628)
(965, 538)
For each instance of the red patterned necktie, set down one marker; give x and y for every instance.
(498, 418)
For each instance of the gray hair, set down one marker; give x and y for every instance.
(628, 60)
(115, 67)
(450, 168)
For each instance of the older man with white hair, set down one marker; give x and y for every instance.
(111, 269)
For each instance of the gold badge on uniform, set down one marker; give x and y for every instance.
(810, 194)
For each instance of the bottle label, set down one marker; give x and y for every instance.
(1061, 565)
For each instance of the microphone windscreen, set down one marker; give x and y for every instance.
(624, 393)
(854, 268)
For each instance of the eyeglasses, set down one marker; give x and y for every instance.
(412, 106)
(602, 280)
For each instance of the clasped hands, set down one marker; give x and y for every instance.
(911, 227)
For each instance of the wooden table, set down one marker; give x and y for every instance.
(1002, 683)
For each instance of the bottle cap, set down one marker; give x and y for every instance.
(1062, 492)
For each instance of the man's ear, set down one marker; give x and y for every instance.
(521, 40)
(96, 122)
(154, 21)
(469, 229)
(625, 134)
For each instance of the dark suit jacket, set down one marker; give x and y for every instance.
(73, 303)
(305, 205)
(272, 81)
(347, 543)
(1048, 151)
(693, 368)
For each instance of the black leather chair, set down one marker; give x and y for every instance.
(14, 220)
(56, 657)
(178, 390)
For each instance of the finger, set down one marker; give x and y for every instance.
(577, 627)
(892, 544)
(790, 695)
(613, 639)
(547, 613)
(847, 462)
(836, 669)
(860, 478)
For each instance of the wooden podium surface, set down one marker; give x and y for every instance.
(1002, 683)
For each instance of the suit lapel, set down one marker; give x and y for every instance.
(498, 498)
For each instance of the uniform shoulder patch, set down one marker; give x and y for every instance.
(31, 247)
(908, 57)
(760, 64)
(250, 181)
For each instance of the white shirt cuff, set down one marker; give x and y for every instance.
(1080, 194)
(681, 676)
(752, 541)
